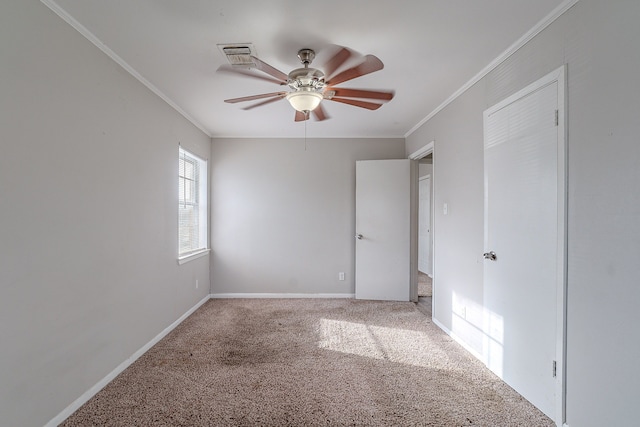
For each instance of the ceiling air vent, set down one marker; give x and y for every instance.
(238, 54)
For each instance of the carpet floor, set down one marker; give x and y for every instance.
(425, 285)
(311, 362)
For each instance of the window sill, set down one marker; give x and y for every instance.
(191, 257)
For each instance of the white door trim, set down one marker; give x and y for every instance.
(422, 152)
(559, 76)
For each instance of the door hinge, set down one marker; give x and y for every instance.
(555, 369)
(557, 117)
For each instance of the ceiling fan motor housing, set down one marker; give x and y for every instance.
(306, 79)
(310, 78)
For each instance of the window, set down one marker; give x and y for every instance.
(192, 205)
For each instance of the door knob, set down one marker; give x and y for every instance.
(490, 255)
(359, 236)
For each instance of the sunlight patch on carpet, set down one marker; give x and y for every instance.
(378, 342)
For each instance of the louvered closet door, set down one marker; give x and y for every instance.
(521, 244)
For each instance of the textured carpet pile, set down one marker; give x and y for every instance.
(307, 363)
(425, 285)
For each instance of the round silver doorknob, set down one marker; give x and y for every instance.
(359, 236)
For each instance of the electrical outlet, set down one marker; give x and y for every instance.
(341, 275)
(464, 313)
(196, 283)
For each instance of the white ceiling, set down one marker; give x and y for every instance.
(430, 49)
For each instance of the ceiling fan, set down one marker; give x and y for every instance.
(309, 86)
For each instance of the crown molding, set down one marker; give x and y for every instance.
(544, 23)
(55, 8)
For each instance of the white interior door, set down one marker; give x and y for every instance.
(522, 234)
(424, 225)
(383, 229)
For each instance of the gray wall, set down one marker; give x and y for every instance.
(599, 43)
(88, 216)
(283, 219)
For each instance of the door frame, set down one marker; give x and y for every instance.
(558, 75)
(421, 153)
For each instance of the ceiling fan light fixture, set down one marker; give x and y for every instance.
(304, 100)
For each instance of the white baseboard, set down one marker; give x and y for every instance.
(270, 295)
(473, 352)
(121, 367)
(459, 341)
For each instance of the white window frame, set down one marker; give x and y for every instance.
(198, 202)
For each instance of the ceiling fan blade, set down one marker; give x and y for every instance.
(360, 93)
(273, 72)
(369, 65)
(356, 103)
(247, 73)
(251, 98)
(336, 61)
(320, 114)
(268, 101)
(301, 117)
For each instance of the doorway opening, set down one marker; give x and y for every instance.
(422, 236)
(425, 275)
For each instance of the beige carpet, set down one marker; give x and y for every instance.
(307, 363)
(425, 287)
